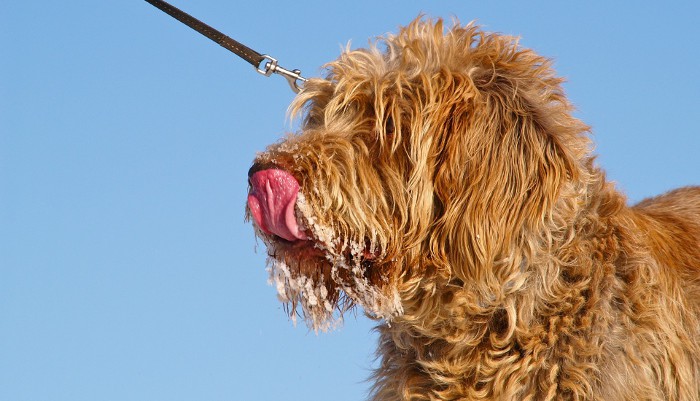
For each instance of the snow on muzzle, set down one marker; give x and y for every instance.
(271, 201)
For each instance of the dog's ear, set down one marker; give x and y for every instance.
(509, 155)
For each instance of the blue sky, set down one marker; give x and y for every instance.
(126, 269)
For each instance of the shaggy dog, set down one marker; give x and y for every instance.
(440, 181)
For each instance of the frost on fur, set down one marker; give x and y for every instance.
(317, 310)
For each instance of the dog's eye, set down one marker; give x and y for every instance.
(389, 125)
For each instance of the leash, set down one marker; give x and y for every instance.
(254, 58)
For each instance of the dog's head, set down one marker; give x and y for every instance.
(435, 159)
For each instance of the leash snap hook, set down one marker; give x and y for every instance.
(271, 66)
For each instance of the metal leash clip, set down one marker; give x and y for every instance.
(272, 67)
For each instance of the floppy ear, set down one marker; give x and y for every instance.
(508, 156)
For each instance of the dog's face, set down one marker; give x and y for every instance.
(418, 167)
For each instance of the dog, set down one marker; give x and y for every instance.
(440, 182)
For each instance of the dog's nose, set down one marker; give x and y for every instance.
(259, 167)
(254, 169)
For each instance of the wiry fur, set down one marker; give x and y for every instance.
(449, 191)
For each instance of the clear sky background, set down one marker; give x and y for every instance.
(127, 271)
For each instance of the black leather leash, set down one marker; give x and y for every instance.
(256, 59)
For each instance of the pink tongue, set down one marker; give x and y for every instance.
(271, 202)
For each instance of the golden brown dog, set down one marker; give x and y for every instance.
(440, 181)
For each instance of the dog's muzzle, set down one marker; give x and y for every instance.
(272, 200)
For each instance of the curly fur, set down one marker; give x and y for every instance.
(449, 191)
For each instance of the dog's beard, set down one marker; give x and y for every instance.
(326, 276)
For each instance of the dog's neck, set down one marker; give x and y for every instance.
(451, 330)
